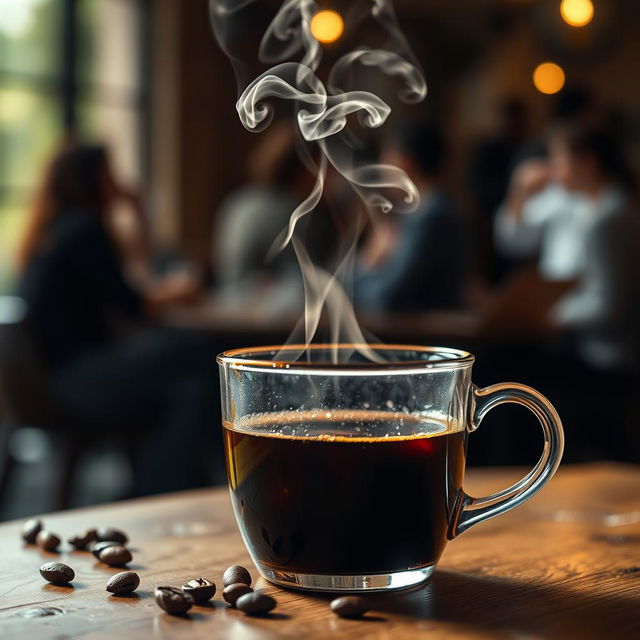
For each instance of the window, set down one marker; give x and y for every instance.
(66, 65)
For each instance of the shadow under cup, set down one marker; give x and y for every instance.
(345, 468)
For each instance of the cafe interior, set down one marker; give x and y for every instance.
(141, 229)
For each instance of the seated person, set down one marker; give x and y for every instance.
(250, 220)
(415, 261)
(577, 213)
(108, 368)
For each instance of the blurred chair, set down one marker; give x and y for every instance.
(26, 400)
(520, 307)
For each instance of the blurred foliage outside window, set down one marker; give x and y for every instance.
(101, 87)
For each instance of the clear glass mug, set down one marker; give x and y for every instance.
(346, 473)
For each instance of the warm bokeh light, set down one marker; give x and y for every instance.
(548, 78)
(577, 13)
(327, 26)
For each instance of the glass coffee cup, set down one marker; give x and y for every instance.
(346, 468)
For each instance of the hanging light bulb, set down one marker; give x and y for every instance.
(327, 26)
(548, 78)
(577, 13)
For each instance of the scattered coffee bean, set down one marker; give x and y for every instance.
(124, 582)
(42, 612)
(83, 540)
(47, 540)
(235, 574)
(349, 606)
(115, 556)
(98, 547)
(255, 603)
(200, 589)
(108, 533)
(57, 572)
(30, 530)
(233, 591)
(173, 600)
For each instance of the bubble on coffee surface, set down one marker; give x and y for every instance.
(346, 424)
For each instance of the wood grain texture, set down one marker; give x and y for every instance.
(565, 565)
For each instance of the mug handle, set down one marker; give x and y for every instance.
(468, 510)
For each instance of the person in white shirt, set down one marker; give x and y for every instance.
(576, 211)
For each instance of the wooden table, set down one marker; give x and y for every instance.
(516, 311)
(248, 325)
(565, 565)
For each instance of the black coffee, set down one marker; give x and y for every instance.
(344, 493)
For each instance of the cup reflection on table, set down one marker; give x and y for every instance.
(346, 466)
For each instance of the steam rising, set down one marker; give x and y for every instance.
(322, 113)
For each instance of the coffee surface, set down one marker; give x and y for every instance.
(344, 492)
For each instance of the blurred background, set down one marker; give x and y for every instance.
(137, 253)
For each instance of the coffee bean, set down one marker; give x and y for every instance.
(83, 540)
(98, 547)
(47, 540)
(200, 589)
(349, 606)
(124, 582)
(255, 603)
(57, 572)
(235, 574)
(42, 612)
(115, 556)
(30, 530)
(108, 533)
(233, 591)
(173, 600)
